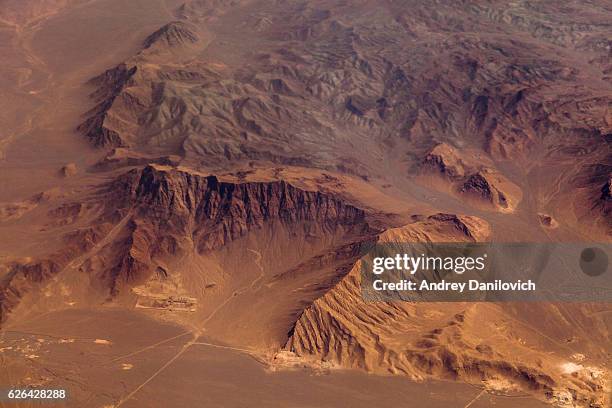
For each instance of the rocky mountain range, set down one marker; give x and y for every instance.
(221, 165)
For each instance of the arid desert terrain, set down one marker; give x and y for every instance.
(186, 188)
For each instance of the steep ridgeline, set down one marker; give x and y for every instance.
(101, 127)
(161, 212)
(224, 211)
(168, 205)
(470, 178)
(332, 87)
(478, 342)
(173, 34)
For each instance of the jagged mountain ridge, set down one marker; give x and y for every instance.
(161, 212)
(468, 175)
(319, 117)
(351, 98)
(173, 34)
(213, 213)
(441, 340)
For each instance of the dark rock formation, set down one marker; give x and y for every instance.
(109, 86)
(171, 35)
(445, 160)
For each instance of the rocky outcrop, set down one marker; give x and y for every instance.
(20, 277)
(592, 200)
(604, 204)
(547, 221)
(99, 127)
(68, 170)
(341, 327)
(470, 178)
(167, 206)
(482, 186)
(463, 227)
(342, 99)
(160, 212)
(434, 340)
(224, 211)
(606, 191)
(173, 34)
(444, 159)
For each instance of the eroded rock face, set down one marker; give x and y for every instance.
(18, 279)
(339, 325)
(468, 177)
(605, 203)
(159, 211)
(444, 159)
(68, 170)
(21, 276)
(364, 107)
(102, 127)
(548, 221)
(593, 203)
(176, 191)
(606, 191)
(223, 211)
(313, 85)
(482, 187)
(174, 34)
(438, 340)
(169, 205)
